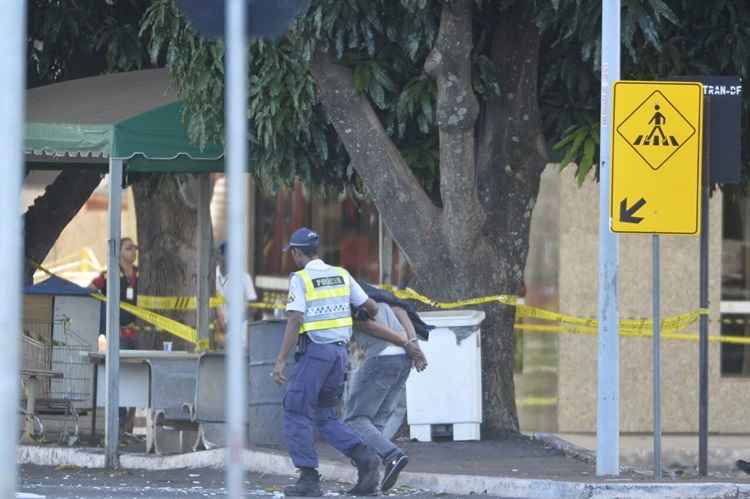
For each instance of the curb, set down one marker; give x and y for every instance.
(277, 464)
(567, 448)
(56, 456)
(721, 459)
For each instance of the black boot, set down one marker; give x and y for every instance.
(308, 484)
(367, 463)
(394, 463)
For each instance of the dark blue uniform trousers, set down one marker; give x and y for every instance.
(313, 391)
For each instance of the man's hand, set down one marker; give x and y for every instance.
(416, 354)
(420, 364)
(278, 372)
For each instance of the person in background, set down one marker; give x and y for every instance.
(222, 284)
(128, 294)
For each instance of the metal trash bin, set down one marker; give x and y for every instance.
(265, 412)
(449, 391)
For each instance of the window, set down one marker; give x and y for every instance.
(735, 281)
(347, 224)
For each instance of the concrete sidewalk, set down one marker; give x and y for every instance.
(518, 467)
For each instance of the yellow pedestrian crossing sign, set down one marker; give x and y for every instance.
(657, 148)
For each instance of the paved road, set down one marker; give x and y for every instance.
(74, 483)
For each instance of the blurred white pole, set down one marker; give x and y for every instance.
(112, 360)
(12, 85)
(236, 161)
(608, 357)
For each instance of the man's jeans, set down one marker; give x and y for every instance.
(375, 393)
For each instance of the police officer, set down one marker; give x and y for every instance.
(320, 323)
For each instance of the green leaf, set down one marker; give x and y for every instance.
(426, 101)
(361, 77)
(572, 151)
(649, 30)
(587, 159)
(568, 137)
(412, 45)
(377, 93)
(381, 76)
(662, 9)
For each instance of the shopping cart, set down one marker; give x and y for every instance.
(35, 377)
(68, 388)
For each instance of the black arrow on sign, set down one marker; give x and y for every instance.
(626, 214)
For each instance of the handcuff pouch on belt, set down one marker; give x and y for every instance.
(302, 341)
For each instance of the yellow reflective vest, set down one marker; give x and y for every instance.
(327, 297)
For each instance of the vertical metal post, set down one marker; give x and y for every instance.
(608, 356)
(112, 360)
(236, 157)
(204, 253)
(703, 298)
(12, 84)
(656, 296)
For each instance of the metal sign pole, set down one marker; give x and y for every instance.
(608, 356)
(656, 294)
(703, 298)
(12, 83)
(112, 359)
(204, 254)
(236, 156)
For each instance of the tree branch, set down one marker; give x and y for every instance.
(449, 63)
(406, 208)
(52, 211)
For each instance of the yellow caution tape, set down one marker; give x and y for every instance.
(171, 326)
(410, 294)
(149, 328)
(159, 322)
(726, 320)
(536, 401)
(175, 302)
(592, 331)
(669, 324)
(674, 323)
(191, 303)
(640, 327)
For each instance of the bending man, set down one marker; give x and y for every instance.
(379, 382)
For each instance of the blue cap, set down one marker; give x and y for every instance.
(303, 238)
(222, 248)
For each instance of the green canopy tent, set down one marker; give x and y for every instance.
(134, 117)
(130, 121)
(123, 121)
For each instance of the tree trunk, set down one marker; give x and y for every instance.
(483, 276)
(51, 213)
(166, 209)
(476, 244)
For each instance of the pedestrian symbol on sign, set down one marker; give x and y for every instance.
(657, 134)
(656, 130)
